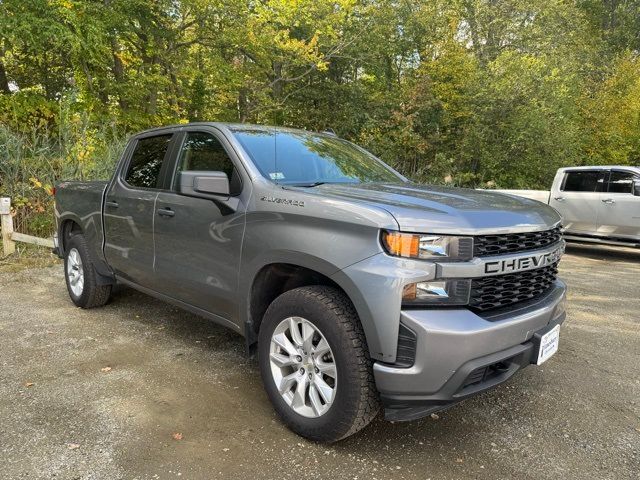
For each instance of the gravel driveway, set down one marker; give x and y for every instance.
(139, 389)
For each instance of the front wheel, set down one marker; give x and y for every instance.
(81, 277)
(315, 364)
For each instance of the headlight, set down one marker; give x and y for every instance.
(437, 292)
(429, 247)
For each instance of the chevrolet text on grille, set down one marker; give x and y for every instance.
(523, 263)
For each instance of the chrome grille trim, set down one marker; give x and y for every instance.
(501, 244)
(491, 293)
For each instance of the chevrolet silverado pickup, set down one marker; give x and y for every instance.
(357, 288)
(597, 204)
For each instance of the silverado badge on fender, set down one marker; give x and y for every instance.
(286, 201)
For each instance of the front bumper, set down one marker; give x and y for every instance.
(460, 353)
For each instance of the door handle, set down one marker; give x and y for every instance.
(166, 212)
(559, 199)
(608, 200)
(111, 203)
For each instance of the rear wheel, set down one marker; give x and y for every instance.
(315, 364)
(81, 277)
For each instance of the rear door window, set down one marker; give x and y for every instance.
(146, 161)
(584, 181)
(620, 182)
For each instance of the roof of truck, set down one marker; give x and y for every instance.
(601, 167)
(228, 125)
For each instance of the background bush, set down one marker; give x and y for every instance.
(34, 158)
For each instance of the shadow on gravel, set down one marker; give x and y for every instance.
(181, 325)
(604, 252)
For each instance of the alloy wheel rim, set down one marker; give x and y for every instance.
(75, 272)
(303, 367)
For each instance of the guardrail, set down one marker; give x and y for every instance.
(9, 237)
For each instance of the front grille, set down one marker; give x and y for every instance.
(487, 245)
(489, 293)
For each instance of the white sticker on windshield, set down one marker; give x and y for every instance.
(276, 176)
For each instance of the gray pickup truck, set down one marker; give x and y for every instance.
(358, 288)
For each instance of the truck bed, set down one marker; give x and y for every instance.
(82, 202)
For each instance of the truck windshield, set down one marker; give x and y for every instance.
(301, 158)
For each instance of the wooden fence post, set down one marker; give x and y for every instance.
(6, 225)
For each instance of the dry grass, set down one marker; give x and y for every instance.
(27, 256)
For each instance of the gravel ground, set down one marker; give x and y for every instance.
(101, 394)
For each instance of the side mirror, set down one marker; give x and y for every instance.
(204, 184)
(636, 188)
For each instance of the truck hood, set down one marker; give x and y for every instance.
(421, 208)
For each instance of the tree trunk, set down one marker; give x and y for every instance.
(87, 74)
(152, 106)
(118, 72)
(473, 30)
(243, 105)
(277, 81)
(4, 81)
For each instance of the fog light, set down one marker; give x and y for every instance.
(450, 292)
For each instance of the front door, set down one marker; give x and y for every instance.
(198, 241)
(578, 200)
(129, 209)
(619, 215)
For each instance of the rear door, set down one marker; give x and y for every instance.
(619, 215)
(129, 208)
(198, 240)
(578, 200)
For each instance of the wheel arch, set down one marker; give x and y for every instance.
(278, 274)
(68, 227)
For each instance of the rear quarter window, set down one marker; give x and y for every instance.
(620, 182)
(146, 161)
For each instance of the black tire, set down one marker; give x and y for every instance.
(356, 400)
(92, 294)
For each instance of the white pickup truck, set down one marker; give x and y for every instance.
(597, 204)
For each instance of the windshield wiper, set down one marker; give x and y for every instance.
(313, 184)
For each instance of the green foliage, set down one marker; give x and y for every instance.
(32, 162)
(613, 115)
(465, 92)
